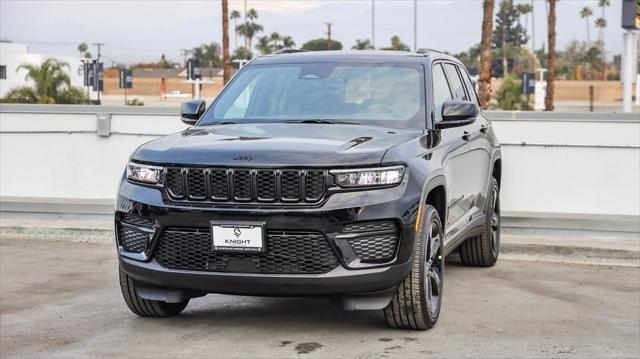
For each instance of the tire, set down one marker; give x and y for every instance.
(144, 307)
(483, 250)
(418, 298)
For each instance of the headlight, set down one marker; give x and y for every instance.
(143, 173)
(369, 177)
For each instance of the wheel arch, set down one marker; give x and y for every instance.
(434, 193)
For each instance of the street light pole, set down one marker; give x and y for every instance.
(373, 23)
(98, 45)
(629, 69)
(415, 25)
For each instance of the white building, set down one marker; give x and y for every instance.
(13, 55)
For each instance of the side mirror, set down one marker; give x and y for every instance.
(191, 111)
(457, 113)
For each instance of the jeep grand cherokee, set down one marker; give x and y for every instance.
(342, 174)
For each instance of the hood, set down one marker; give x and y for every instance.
(275, 144)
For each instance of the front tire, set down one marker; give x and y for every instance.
(145, 307)
(418, 298)
(483, 250)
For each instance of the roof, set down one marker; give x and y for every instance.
(354, 56)
(155, 72)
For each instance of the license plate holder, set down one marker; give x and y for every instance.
(238, 236)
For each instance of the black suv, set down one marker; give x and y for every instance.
(342, 174)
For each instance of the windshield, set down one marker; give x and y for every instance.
(378, 94)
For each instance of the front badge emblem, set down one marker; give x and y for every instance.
(237, 232)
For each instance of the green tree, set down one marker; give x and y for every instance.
(264, 45)
(508, 32)
(242, 53)
(82, 48)
(166, 64)
(509, 97)
(397, 44)
(51, 84)
(585, 13)
(208, 54)
(250, 28)
(321, 44)
(235, 15)
(362, 45)
(470, 58)
(287, 42)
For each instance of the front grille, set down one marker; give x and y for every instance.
(245, 185)
(132, 239)
(291, 252)
(373, 242)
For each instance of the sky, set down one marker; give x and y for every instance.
(141, 31)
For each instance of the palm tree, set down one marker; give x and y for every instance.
(82, 48)
(264, 45)
(523, 10)
(484, 81)
(226, 61)
(235, 15)
(287, 42)
(551, 56)
(362, 45)
(51, 84)
(397, 44)
(585, 13)
(275, 37)
(603, 4)
(251, 28)
(601, 23)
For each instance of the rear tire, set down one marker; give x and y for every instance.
(144, 307)
(483, 250)
(418, 298)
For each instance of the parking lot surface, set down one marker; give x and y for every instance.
(60, 299)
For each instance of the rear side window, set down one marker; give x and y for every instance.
(471, 89)
(441, 92)
(457, 88)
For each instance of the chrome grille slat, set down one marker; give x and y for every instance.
(245, 185)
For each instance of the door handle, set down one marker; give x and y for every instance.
(466, 136)
(484, 128)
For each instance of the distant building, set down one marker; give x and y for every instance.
(12, 55)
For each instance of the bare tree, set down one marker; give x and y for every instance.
(226, 60)
(551, 57)
(485, 54)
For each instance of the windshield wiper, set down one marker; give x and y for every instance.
(322, 121)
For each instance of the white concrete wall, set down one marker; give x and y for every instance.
(552, 162)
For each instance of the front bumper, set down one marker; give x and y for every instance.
(349, 277)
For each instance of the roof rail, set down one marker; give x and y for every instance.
(290, 51)
(424, 50)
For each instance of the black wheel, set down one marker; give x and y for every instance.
(144, 307)
(416, 303)
(483, 250)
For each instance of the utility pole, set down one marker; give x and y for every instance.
(99, 46)
(246, 44)
(533, 37)
(415, 25)
(328, 35)
(373, 23)
(225, 43)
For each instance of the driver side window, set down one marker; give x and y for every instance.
(441, 91)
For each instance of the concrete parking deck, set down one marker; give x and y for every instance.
(61, 299)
